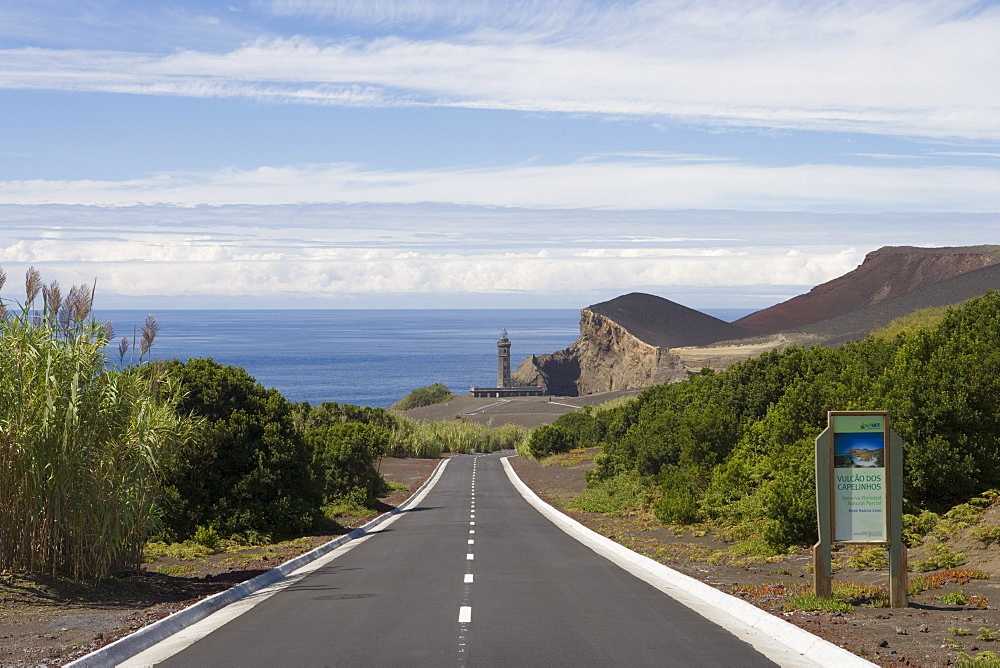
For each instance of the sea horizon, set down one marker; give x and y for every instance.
(367, 357)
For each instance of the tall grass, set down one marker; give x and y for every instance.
(79, 441)
(431, 439)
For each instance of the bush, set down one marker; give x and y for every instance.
(249, 469)
(615, 495)
(916, 527)
(549, 440)
(207, 537)
(584, 428)
(678, 502)
(437, 393)
(347, 454)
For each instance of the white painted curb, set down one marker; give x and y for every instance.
(695, 593)
(146, 637)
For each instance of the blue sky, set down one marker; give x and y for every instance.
(479, 153)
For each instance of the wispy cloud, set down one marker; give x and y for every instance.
(870, 67)
(888, 156)
(616, 184)
(972, 154)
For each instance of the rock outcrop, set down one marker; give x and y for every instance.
(624, 343)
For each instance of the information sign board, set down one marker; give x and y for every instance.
(859, 494)
(860, 483)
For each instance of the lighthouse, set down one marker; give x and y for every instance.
(505, 384)
(503, 360)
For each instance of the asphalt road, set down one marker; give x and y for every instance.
(471, 576)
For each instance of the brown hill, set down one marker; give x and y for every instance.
(886, 274)
(666, 324)
(858, 324)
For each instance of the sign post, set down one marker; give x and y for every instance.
(859, 494)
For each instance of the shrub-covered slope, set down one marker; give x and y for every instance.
(737, 446)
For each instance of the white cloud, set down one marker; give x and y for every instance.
(351, 255)
(923, 68)
(620, 184)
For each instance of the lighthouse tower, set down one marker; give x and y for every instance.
(503, 361)
(505, 384)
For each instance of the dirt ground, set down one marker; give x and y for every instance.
(47, 622)
(930, 632)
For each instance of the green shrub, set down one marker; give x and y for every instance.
(249, 469)
(940, 557)
(549, 440)
(306, 416)
(347, 454)
(618, 494)
(916, 527)
(207, 537)
(812, 603)
(955, 598)
(871, 557)
(924, 318)
(678, 503)
(585, 430)
(987, 533)
(980, 660)
(437, 393)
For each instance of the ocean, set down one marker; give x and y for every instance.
(363, 357)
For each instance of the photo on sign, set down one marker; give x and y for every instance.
(858, 450)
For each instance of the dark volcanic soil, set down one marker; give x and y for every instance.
(661, 322)
(858, 324)
(886, 274)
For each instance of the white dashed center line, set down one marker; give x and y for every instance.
(465, 609)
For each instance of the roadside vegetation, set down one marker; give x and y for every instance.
(735, 449)
(81, 442)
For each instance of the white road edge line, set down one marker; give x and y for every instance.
(139, 648)
(789, 645)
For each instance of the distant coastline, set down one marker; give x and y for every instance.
(365, 357)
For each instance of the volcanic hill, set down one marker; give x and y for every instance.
(624, 343)
(885, 274)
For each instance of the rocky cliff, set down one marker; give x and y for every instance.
(624, 343)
